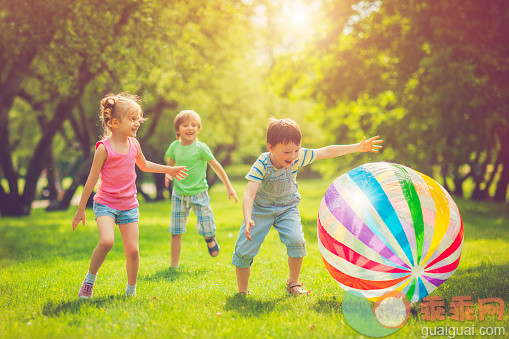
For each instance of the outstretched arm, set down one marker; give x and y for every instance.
(167, 177)
(247, 206)
(221, 173)
(99, 159)
(143, 164)
(370, 145)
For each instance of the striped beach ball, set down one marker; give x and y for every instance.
(384, 227)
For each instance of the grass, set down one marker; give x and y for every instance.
(42, 264)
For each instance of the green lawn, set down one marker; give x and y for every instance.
(43, 263)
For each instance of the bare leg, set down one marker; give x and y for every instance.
(176, 245)
(130, 234)
(106, 226)
(243, 279)
(295, 265)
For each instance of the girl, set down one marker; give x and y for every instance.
(115, 201)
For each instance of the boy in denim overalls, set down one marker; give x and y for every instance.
(272, 198)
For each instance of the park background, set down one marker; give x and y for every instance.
(430, 77)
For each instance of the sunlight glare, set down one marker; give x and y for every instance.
(298, 13)
(299, 18)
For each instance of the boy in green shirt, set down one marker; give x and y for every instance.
(191, 192)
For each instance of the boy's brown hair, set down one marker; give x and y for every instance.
(283, 131)
(183, 116)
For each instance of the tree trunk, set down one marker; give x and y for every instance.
(501, 191)
(445, 175)
(12, 71)
(52, 177)
(223, 152)
(144, 194)
(78, 179)
(458, 186)
(478, 172)
(503, 182)
(485, 192)
(159, 182)
(9, 205)
(64, 108)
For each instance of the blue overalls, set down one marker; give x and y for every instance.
(275, 204)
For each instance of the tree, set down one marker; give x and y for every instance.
(431, 76)
(196, 53)
(49, 63)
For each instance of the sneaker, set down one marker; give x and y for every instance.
(130, 291)
(86, 290)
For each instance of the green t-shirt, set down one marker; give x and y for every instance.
(195, 158)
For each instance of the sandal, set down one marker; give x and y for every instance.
(213, 248)
(295, 288)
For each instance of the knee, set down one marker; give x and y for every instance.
(106, 243)
(296, 249)
(298, 242)
(132, 252)
(241, 261)
(294, 240)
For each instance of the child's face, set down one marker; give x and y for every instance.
(283, 155)
(188, 131)
(129, 123)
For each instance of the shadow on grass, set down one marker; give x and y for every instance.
(171, 274)
(43, 242)
(484, 281)
(334, 306)
(247, 306)
(52, 309)
(327, 305)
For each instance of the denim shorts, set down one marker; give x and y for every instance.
(181, 206)
(120, 217)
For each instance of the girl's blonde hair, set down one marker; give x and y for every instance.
(183, 116)
(116, 106)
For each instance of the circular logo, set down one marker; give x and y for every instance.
(385, 317)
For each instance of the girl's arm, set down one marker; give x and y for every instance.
(99, 159)
(143, 164)
(247, 206)
(221, 173)
(370, 145)
(167, 177)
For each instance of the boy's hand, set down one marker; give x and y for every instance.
(249, 224)
(167, 179)
(370, 145)
(178, 172)
(79, 216)
(231, 193)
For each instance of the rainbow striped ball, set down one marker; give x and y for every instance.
(384, 227)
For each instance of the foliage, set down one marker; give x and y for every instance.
(426, 75)
(197, 57)
(429, 77)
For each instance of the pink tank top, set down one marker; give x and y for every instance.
(118, 177)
